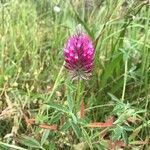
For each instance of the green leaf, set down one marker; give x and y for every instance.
(51, 146)
(125, 137)
(109, 69)
(113, 97)
(70, 90)
(55, 117)
(116, 133)
(74, 118)
(58, 107)
(65, 126)
(44, 136)
(87, 138)
(76, 129)
(70, 101)
(99, 147)
(29, 141)
(117, 85)
(3, 145)
(128, 128)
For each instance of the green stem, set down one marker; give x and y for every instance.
(57, 82)
(125, 79)
(79, 93)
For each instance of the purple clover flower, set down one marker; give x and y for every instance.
(78, 55)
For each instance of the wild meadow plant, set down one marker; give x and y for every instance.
(78, 55)
(69, 86)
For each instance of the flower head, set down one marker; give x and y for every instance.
(78, 55)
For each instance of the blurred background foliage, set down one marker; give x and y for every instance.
(32, 36)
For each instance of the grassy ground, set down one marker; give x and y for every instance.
(36, 94)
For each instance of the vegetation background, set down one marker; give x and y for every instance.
(40, 108)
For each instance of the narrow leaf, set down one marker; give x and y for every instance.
(11, 146)
(74, 118)
(44, 136)
(70, 101)
(87, 138)
(65, 126)
(116, 133)
(109, 70)
(29, 141)
(76, 129)
(125, 137)
(58, 107)
(2, 147)
(113, 97)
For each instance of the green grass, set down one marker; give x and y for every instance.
(34, 81)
